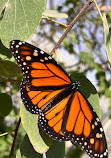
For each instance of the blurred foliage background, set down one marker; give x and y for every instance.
(82, 51)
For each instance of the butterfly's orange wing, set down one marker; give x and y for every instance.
(36, 101)
(40, 71)
(74, 119)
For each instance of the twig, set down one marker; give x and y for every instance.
(71, 25)
(57, 22)
(14, 139)
(3, 134)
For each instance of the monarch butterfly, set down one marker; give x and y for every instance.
(64, 112)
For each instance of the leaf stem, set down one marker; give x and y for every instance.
(14, 139)
(98, 9)
(57, 22)
(71, 25)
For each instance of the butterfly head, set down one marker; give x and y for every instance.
(76, 85)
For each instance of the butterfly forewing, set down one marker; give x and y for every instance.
(40, 71)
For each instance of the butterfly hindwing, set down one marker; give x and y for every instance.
(83, 126)
(36, 101)
(74, 119)
(52, 120)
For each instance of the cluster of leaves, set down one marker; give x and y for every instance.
(18, 21)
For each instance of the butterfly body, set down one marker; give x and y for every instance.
(64, 112)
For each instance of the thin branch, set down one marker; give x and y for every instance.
(3, 134)
(14, 139)
(51, 4)
(55, 21)
(71, 25)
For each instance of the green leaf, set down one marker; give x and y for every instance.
(57, 150)
(16, 85)
(5, 104)
(26, 150)
(39, 140)
(74, 37)
(108, 93)
(9, 69)
(88, 59)
(107, 38)
(76, 153)
(21, 19)
(5, 51)
(54, 14)
(88, 90)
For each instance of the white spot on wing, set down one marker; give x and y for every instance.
(50, 57)
(20, 43)
(41, 52)
(17, 46)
